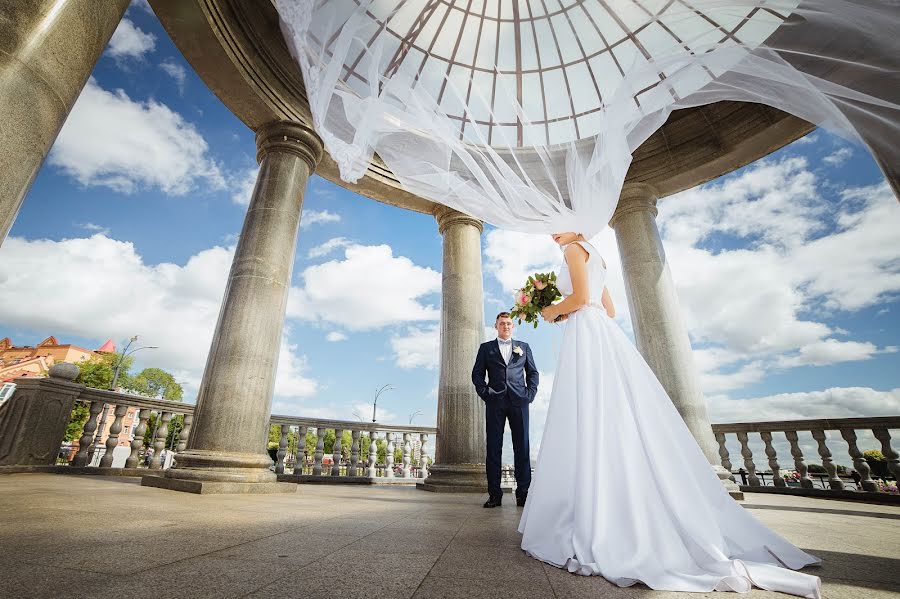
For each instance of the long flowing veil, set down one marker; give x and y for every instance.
(526, 114)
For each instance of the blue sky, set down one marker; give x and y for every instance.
(787, 270)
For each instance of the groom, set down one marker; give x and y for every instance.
(512, 382)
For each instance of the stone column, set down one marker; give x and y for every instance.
(48, 49)
(659, 328)
(226, 450)
(460, 447)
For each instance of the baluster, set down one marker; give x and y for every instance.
(134, 459)
(773, 460)
(300, 458)
(389, 456)
(799, 463)
(336, 452)
(282, 449)
(159, 443)
(407, 452)
(184, 435)
(423, 458)
(859, 461)
(112, 440)
(893, 459)
(723, 454)
(373, 455)
(87, 437)
(320, 451)
(748, 460)
(354, 454)
(834, 481)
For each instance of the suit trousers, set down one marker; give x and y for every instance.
(497, 413)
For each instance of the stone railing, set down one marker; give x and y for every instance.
(800, 480)
(33, 424)
(356, 461)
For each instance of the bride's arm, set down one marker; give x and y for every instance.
(576, 259)
(608, 303)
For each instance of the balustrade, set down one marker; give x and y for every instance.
(131, 417)
(831, 477)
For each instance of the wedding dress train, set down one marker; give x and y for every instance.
(622, 490)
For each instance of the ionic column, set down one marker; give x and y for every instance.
(460, 445)
(48, 49)
(659, 329)
(227, 443)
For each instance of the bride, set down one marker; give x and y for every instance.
(621, 489)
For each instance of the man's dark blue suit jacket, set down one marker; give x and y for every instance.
(517, 380)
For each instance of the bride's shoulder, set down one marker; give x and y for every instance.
(576, 250)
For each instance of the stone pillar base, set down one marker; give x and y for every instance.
(725, 476)
(206, 487)
(455, 478)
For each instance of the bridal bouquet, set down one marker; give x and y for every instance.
(539, 292)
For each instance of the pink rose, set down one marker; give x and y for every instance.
(524, 299)
(539, 284)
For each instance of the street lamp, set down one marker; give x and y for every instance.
(125, 354)
(112, 387)
(387, 387)
(413, 415)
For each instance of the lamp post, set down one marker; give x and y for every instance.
(98, 438)
(413, 415)
(387, 387)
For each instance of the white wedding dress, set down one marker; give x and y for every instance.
(622, 490)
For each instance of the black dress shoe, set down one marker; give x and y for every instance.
(520, 499)
(492, 502)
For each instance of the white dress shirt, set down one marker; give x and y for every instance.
(505, 348)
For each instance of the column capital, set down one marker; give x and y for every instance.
(447, 217)
(635, 197)
(292, 138)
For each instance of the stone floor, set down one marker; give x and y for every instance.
(82, 536)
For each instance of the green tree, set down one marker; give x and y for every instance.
(80, 413)
(156, 382)
(97, 372)
(176, 424)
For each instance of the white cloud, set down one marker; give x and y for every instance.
(369, 289)
(176, 72)
(94, 228)
(771, 314)
(776, 202)
(242, 186)
(101, 288)
(857, 266)
(335, 336)
(329, 246)
(113, 141)
(838, 157)
(839, 402)
(809, 138)
(315, 217)
(141, 4)
(419, 347)
(130, 42)
(290, 382)
(830, 351)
